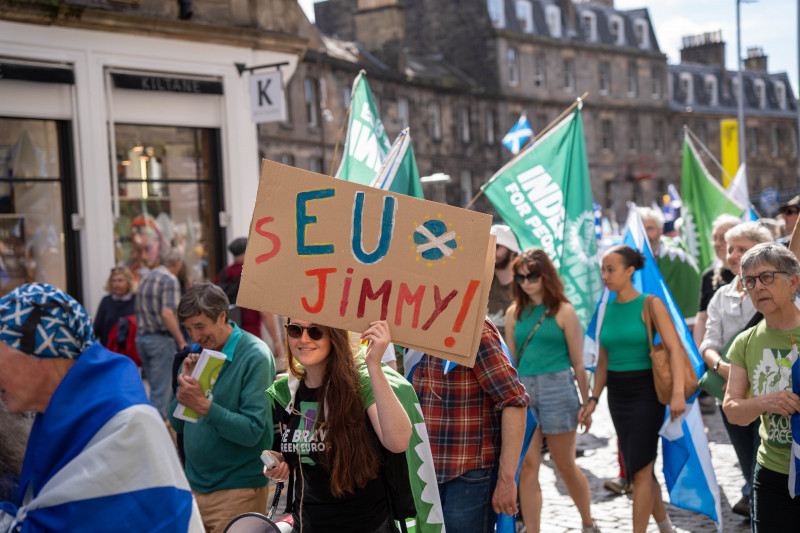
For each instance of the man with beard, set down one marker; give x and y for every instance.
(500, 291)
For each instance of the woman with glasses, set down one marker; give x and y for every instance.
(338, 417)
(545, 339)
(625, 365)
(760, 381)
(115, 305)
(729, 312)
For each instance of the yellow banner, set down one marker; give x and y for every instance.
(729, 140)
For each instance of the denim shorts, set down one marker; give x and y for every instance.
(554, 400)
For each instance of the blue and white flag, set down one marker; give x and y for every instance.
(687, 468)
(516, 137)
(794, 462)
(672, 204)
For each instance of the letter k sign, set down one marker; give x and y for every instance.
(267, 102)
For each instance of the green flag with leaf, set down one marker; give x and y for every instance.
(703, 199)
(366, 146)
(545, 196)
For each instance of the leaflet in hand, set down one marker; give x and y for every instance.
(205, 372)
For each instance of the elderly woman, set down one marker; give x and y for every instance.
(118, 303)
(729, 311)
(717, 275)
(760, 383)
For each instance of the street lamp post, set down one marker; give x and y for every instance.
(740, 89)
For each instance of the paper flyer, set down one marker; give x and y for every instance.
(205, 372)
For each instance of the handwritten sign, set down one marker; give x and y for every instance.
(341, 254)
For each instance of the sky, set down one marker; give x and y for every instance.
(769, 24)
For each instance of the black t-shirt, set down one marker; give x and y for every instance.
(708, 288)
(362, 511)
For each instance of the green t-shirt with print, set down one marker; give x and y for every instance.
(764, 353)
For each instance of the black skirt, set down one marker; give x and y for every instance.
(637, 417)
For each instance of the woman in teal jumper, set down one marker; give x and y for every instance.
(624, 364)
(545, 338)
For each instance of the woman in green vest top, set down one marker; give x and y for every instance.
(546, 339)
(624, 364)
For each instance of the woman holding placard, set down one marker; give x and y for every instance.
(338, 417)
(545, 339)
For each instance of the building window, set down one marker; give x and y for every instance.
(633, 79)
(711, 90)
(346, 90)
(775, 141)
(617, 29)
(402, 112)
(658, 82)
(604, 74)
(642, 31)
(496, 13)
(539, 73)
(761, 93)
(463, 124)
(780, 95)
(525, 15)
(489, 116)
(569, 74)
(513, 66)
(436, 121)
(687, 87)
(552, 15)
(752, 140)
(793, 142)
(287, 159)
(315, 164)
(312, 110)
(466, 187)
(590, 26)
(658, 135)
(633, 133)
(606, 135)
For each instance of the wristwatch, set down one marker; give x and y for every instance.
(716, 365)
(590, 398)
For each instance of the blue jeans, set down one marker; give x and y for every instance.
(157, 352)
(745, 441)
(467, 501)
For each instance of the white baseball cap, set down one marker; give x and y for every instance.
(505, 237)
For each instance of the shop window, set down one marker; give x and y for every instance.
(35, 194)
(169, 197)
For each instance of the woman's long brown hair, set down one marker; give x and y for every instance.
(353, 458)
(538, 263)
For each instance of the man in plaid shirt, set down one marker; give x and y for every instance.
(476, 423)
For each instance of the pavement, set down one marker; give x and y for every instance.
(612, 512)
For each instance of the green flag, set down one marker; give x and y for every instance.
(545, 196)
(366, 146)
(704, 199)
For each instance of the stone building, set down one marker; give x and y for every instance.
(125, 128)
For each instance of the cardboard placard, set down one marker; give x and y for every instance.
(343, 255)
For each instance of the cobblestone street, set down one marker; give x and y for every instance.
(613, 512)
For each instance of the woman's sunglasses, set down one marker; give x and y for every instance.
(532, 278)
(295, 331)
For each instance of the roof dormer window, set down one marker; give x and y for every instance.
(687, 87)
(553, 16)
(642, 30)
(780, 95)
(761, 93)
(590, 25)
(496, 13)
(617, 29)
(712, 89)
(525, 15)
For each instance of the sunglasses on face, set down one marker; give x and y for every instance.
(791, 211)
(532, 278)
(295, 331)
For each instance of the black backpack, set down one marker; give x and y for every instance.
(398, 487)
(230, 286)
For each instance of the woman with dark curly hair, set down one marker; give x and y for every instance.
(338, 415)
(545, 338)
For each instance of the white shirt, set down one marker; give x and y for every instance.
(728, 312)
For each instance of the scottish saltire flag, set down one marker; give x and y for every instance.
(794, 461)
(591, 340)
(545, 196)
(704, 199)
(101, 458)
(367, 146)
(672, 203)
(518, 134)
(688, 472)
(399, 171)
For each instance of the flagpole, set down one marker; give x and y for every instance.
(539, 135)
(708, 153)
(344, 121)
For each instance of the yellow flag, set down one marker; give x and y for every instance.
(728, 132)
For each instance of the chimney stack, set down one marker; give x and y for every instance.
(380, 28)
(756, 61)
(706, 49)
